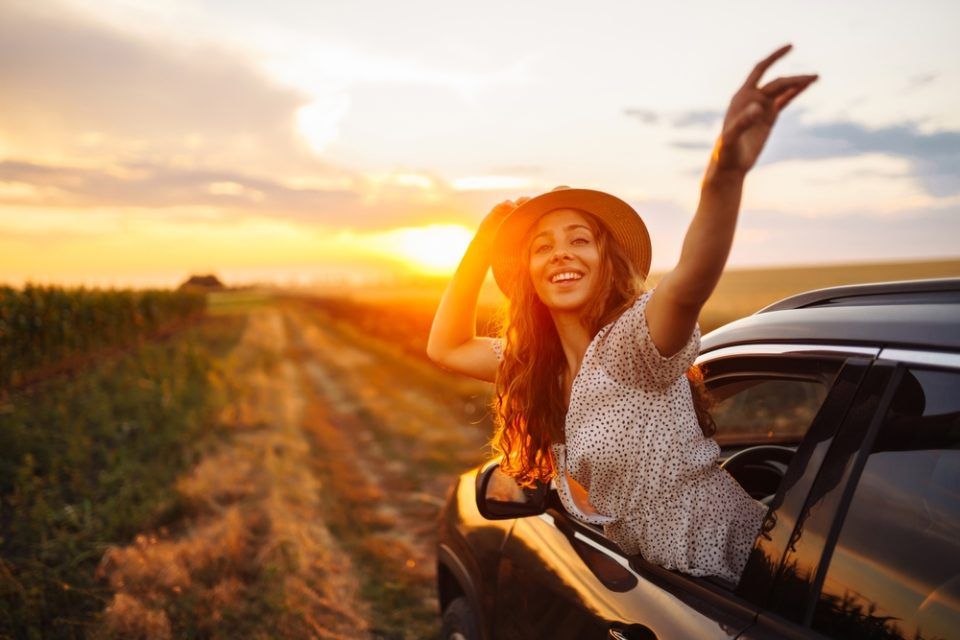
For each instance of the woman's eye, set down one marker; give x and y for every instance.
(541, 248)
(580, 241)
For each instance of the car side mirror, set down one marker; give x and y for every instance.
(499, 497)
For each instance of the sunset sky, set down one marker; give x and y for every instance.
(327, 141)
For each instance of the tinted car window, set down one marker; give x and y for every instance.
(895, 571)
(764, 409)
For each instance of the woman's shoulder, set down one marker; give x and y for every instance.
(630, 355)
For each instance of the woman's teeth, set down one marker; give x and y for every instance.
(569, 275)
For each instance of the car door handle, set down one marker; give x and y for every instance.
(630, 632)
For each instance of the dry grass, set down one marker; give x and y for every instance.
(317, 518)
(390, 434)
(255, 558)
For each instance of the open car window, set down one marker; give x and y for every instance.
(767, 400)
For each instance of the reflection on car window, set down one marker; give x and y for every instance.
(757, 410)
(895, 572)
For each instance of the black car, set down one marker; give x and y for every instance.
(840, 409)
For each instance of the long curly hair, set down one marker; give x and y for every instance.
(528, 402)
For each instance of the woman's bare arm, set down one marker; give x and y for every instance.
(676, 302)
(453, 342)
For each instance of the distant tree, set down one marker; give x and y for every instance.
(203, 283)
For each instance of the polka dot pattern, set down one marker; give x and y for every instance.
(634, 442)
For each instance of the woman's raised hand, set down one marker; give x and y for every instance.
(496, 215)
(752, 114)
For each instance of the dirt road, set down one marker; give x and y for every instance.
(319, 511)
(389, 434)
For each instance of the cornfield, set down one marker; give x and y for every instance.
(47, 329)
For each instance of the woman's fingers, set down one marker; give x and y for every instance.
(754, 78)
(776, 87)
(509, 205)
(501, 210)
(505, 208)
(787, 96)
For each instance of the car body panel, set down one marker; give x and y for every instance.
(546, 590)
(922, 326)
(470, 544)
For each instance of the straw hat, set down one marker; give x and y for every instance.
(621, 220)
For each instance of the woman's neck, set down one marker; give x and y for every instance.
(574, 339)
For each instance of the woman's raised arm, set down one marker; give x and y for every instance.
(676, 302)
(453, 341)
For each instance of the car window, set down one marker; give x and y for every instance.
(895, 570)
(772, 404)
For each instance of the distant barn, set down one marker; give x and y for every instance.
(203, 283)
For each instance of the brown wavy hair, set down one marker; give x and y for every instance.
(528, 403)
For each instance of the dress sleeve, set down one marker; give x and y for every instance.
(630, 356)
(496, 344)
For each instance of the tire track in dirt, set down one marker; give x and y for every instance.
(389, 437)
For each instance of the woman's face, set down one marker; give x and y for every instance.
(564, 260)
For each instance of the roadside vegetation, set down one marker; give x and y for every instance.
(89, 459)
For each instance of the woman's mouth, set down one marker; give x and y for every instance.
(565, 276)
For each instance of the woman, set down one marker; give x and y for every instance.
(589, 375)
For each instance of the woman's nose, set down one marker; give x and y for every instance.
(560, 254)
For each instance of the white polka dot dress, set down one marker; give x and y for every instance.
(634, 442)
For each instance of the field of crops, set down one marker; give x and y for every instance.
(45, 330)
(89, 458)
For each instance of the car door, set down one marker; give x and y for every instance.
(561, 578)
(876, 550)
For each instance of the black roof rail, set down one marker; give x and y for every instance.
(933, 291)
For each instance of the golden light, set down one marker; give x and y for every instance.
(435, 249)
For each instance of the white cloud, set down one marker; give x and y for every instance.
(491, 183)
(319, 121)
(877, 183)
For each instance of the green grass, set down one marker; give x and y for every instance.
(236, 302)
(88, 462)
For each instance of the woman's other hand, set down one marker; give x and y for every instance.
(752, 114)
(453, 342)
(491, 222)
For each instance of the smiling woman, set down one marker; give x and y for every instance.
(593, 373)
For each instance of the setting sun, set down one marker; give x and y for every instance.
(434, 249)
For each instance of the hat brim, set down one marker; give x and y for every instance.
(624, 223)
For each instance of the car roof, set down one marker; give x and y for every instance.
(923, 314)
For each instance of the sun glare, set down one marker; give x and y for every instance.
(434, 249)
